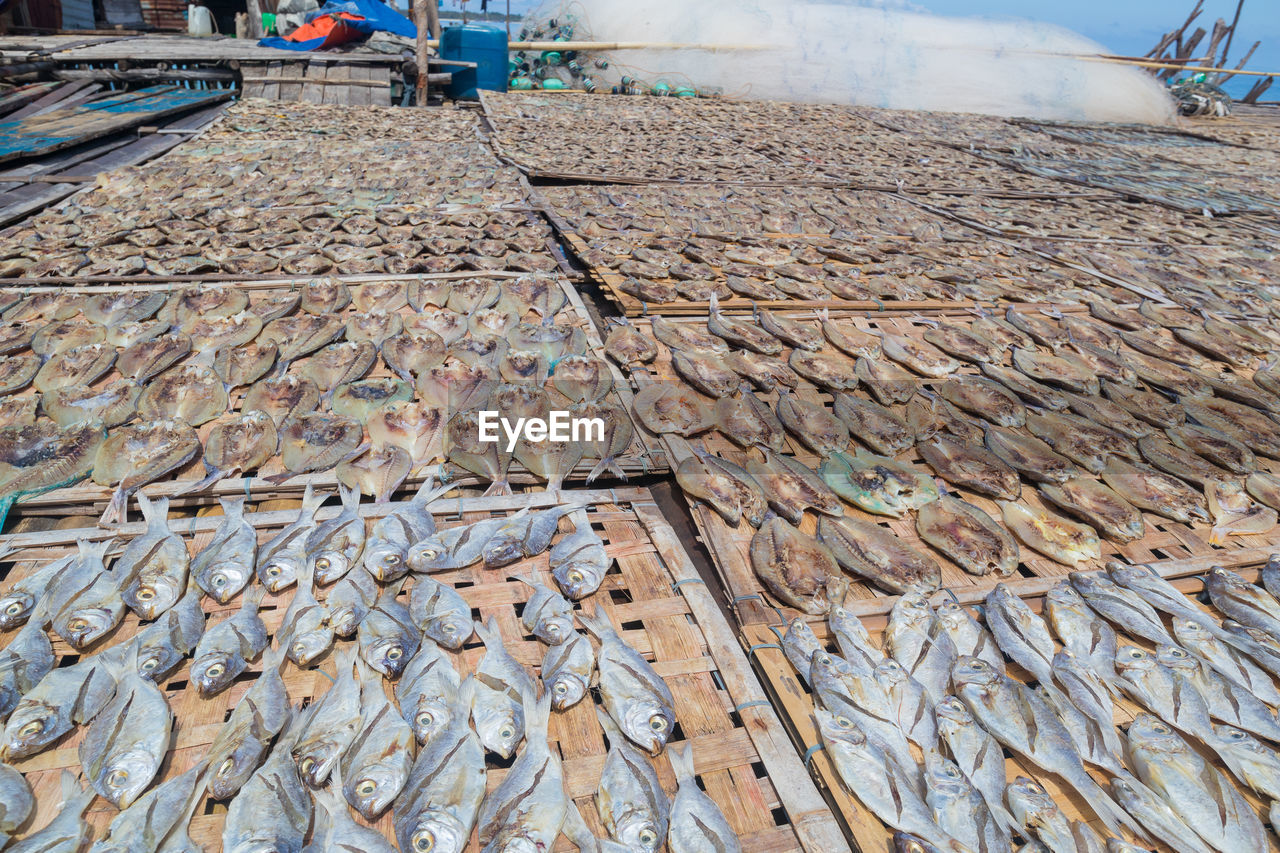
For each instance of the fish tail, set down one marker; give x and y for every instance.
(488, 631)
(498, 487)
(350, 499)
(115, 507)
(429, 491)
(212, 475)
(273, 658)
(1106, 808)
(611, 730)
(233, 506)
(575, 828)
(597, 623)
(253, 596)
(537, 711)
(524, 579)
(681, 762)
(467, 692)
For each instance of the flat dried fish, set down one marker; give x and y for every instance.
(749, 422)
(1030, 456)
(971, 466)
(1098, 505)
(62, 335)
(81, 365)
(301, 335)
(316, 442)
(1055, 370)
(377, 472)
(17, 371)
(339, 363)
(1216, 447)
(483, 458)
(411, 353)
(790, 487)
(967, 536)
(237, 446)
(415, 427)
(628, 346)
(888, 382)
(985, 398)
(360, 399)
(794, 567)
(664, 407)
(1149, 406)
(283, 398)
(203, 302)
(827, 369)
(727, 487)
(789, 331)
(1179, 462)
(1057, 538)
(1235, 512)
(878, 555)
(874, 425)
(245, 364)
(1026, 388)
(135, 455)
(923, 358)
(1154, 491)
(145, 359)
(878, 484)
(210, 334)
(41, 456)
(325, 296)
(1085, 443)
(190, 392)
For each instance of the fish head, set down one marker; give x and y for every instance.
(970, 670)
(945, 777)
(127, 774)
(387, 655)
(151, 595)
(906, 843)
(15, 608)
(579, 578)
(155, 661)
(890, 673)
(839, 728)
(555, 629)
(823, 665)
(344, 620)
(308, 643)
(950, 710)
(372, 791)
(234, 770)
(648, 724)
(914, 606)
(385, 560)
(502, 550)
(1153, 734)
(638, 831)
(1127, 575)
(451, 629)
(316, 762)
(279, 572)
(1177, 659)
(431, 716)
(31, 727)
(951, 614)
(436, 831)
(329, 565)
(567, 690)
(500, 727)
(84, 625)
(1029, 802)
(212, 673)
(224, 580)
(431, 553)
(1189, 631)
(1133, 662)
(1224, 578)
(1064, 595)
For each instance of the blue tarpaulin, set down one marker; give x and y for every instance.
(359, 19)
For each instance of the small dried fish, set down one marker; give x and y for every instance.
(872, 552)
(1055, 537)
(968, 536)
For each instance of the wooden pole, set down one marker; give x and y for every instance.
(433, 20)
(1231, 34)
(421, 19)
(255, 19)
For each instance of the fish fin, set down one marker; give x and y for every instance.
(611, 730)
(312, 500)
(575, 828)
(429, 491)
(537, 711)
(350, 499)
(681, 757)
(488, 631)
(212, 475)
(498, 487)
(233, 506)
(527, 581)
(467, 693)
(277, 479)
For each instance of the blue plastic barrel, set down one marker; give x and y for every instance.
(482, 44)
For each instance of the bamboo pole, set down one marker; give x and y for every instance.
(623, 45)
(1142, 63)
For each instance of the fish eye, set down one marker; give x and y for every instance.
(395, 653)
(226, 767)
(424, 842)
(844, 722)
(1160, 728)
(32, 728)
(323, 563)
(449, 628)
(561, 688)
(118, 778)
(648, 837)
(299, 647)
(576, 576)
(366, 788)
(657, 722)
(149, 664)
(391, 559)
(77, 624)
(1034, 788)
(215, 670)
(307, 764)
(219, 581)
(953, 772)
(14, 609)
(273, 572)
(146, 594)
(425, 718)
(506, 732)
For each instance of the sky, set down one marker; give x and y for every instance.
(1128, 27)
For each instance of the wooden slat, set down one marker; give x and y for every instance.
(311, 92)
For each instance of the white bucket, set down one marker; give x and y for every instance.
(199, 21)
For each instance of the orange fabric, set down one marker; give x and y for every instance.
(323, 27)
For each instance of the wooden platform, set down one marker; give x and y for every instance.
(729, 546)
(652, 594)
(645, 456)
(795, 704)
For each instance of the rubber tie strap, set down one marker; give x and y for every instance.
(879, 304)
(676, 586)
(752, 649)
(754, 704)
(808, 753)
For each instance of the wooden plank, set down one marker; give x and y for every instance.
(311, 92)
(63, 128)
(671, 624)
(336, 89)
(23, 95)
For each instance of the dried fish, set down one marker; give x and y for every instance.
(794, 567)
(878, 484)
(968, 536)
(874, 553)
(135, 455)
(1055, 537)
